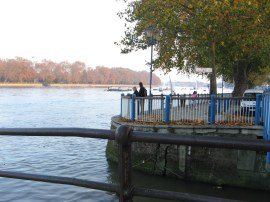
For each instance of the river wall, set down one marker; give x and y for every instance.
(211, 165)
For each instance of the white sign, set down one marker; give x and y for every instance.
(203, 70)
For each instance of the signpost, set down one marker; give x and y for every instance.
(203, 70)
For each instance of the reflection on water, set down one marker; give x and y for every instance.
(73, 157)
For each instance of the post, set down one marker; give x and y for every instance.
(151, 34)
(258, 109)
(222, 84)
(121, 103)
(162, 102)
(212, 65)
(167, 109)
(151, 68)
(150, 103)
(265, 116)
(219, 104)
(266, 127)
(183, 101)
(212, 109)
(124, 163)
(133, 108)
(226, 105)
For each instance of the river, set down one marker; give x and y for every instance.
(74, 157)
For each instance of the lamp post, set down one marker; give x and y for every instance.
(222, 86)
(151, 35)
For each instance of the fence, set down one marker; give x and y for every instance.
(181, 109)
(124, 136)
(266, 115)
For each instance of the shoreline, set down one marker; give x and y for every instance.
(39, 85)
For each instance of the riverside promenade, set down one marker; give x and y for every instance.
(213, 117)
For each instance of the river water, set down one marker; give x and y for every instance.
(74, 157)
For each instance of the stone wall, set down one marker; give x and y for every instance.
(211, 165)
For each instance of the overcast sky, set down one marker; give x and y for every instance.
(72, 30)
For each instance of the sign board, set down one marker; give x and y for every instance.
(203, 70)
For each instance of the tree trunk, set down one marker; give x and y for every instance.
(213, 80)
(240, 79)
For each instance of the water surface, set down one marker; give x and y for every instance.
(73, 157)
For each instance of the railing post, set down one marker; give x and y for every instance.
(183, 100)
(121, 103)
(212, 109)
(258, 109)
(265, 117)
(150, 103)
(226, 105)
(162, 102)
(167, 109)
(133, 109)
(124, 163)
(266, 127)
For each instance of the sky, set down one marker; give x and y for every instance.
(69, 30)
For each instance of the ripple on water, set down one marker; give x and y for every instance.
(18, 190)
(71, 157)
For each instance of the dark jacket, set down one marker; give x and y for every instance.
(142, 92)
(136, 93)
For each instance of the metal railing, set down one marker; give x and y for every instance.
(124, 136)
(180, 109)
(266, 116)
(238, 110)
(187, 110)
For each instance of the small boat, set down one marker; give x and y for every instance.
(119, 89)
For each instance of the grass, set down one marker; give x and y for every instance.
(20, 85)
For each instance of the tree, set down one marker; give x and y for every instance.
(23, 70)
(63, 72)
(2, 70)
(230, 36)
(77, 71)
(45, 71)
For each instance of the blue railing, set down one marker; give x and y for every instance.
(266, 117)
(207, 110)
(203, 110)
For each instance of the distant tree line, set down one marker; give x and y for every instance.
(20, 70)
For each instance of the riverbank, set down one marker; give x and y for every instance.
(39, 85)
(217, 166)
(20, 85)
